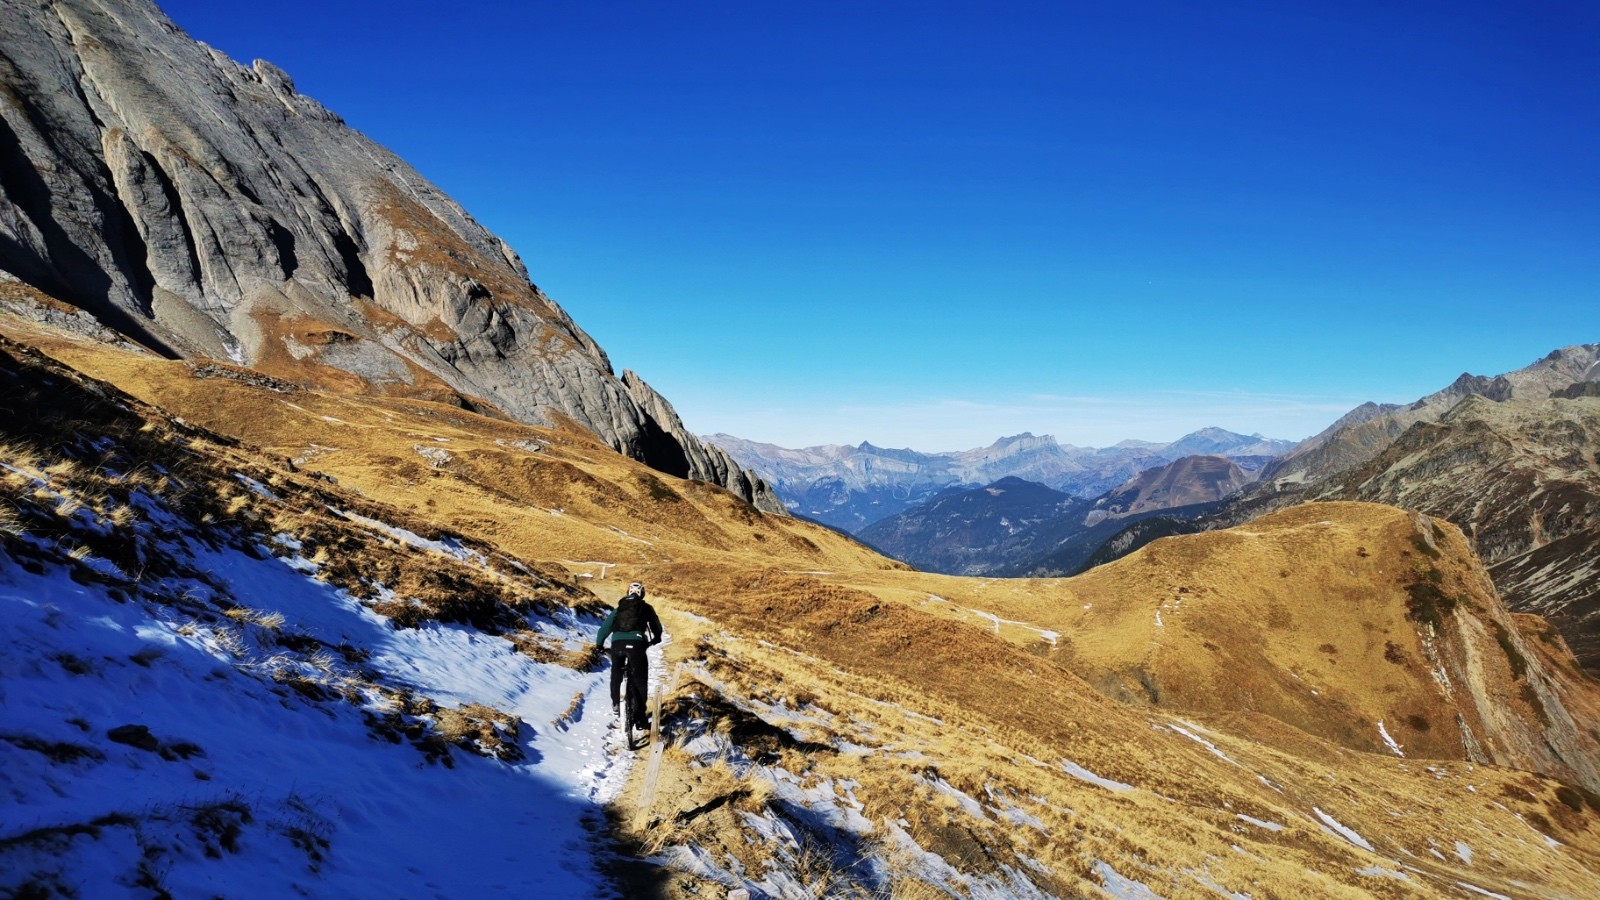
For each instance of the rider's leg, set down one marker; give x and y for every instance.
(618, 665)
(638, 679)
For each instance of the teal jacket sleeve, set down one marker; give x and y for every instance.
(605, 630)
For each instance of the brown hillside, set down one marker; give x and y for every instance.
(952, 710)
(1330, 617)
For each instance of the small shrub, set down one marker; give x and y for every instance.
(55, 751)
(75, 665)
(11, 521)
(659, 490)
(482, 730)
(1570, 797)
(244, 615)
(1428, 604)
(220, 826)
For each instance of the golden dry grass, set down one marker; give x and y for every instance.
(917, 685)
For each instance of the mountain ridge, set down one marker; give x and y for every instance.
(851, 486)
(1366, 430)
(207, 209)
(1508, 459)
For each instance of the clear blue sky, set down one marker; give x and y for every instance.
(932, 224)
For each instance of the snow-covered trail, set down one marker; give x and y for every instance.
(253, 788)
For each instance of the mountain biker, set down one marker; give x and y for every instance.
(633, 626)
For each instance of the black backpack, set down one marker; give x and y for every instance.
(630, 615)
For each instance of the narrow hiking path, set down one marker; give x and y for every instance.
(241, 724)
(596, 747)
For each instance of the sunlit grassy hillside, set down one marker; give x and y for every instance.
(1201, 717)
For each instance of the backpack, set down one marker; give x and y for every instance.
(630, 615)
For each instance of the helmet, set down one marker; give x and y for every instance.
(636, 588)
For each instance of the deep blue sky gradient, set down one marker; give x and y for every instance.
(932, 224)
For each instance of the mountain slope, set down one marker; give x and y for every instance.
(225, 676)
(1516, 474)
(208, 210)
(1184, 482)
(838, 723)
(1367, 430)
(1329, 617)
(1521, 478)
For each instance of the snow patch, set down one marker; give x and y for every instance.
(1200, 740)
(1393, 747)
(1332, 826)
(1381, 872)
(1261, 823)
(1120, 887)
(1082, 774)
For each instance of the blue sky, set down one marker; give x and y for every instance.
(930, 225)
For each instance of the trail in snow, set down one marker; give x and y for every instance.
(248, 787)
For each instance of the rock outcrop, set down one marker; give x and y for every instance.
(207, 209)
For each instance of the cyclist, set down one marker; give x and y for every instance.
(633, 626)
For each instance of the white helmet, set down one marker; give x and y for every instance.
(636, 588)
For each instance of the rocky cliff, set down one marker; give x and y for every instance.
(207, 209)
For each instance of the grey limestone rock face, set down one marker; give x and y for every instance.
(207, 209)
(697, 455)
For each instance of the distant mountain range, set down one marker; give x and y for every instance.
(1016, 528)
(850, 488)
